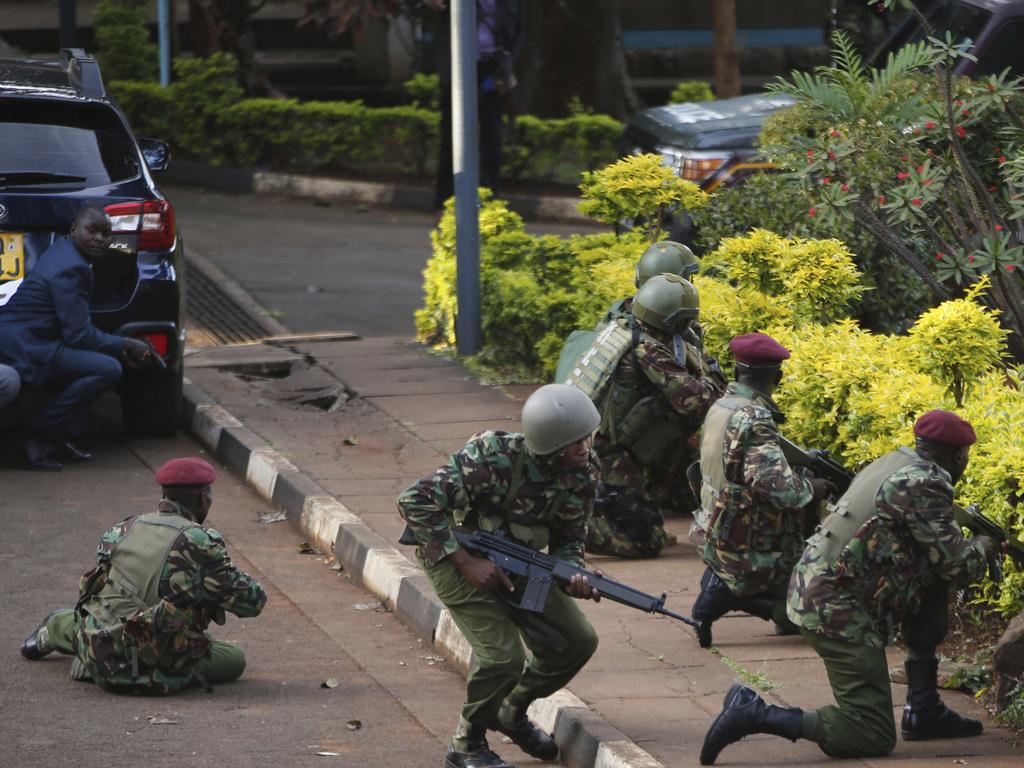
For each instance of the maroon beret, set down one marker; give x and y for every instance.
(185, 472)
(945, 427)
(758, 350)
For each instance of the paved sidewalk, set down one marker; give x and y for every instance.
(408, 408)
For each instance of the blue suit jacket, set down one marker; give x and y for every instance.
(51, 311)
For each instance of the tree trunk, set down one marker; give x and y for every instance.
(727, 59)
(573, 49)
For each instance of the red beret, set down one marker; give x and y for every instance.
(945, 427)
(185, 472)
(758, 350)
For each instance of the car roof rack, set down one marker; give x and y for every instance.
(83, 72)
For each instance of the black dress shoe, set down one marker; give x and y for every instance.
(69, 453)
(35, 456)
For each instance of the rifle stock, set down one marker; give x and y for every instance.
(973, 519)
(819, 463)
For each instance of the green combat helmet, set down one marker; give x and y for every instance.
(557, 415)
(667, 302)
(664, 257)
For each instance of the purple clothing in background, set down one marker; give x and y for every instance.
(486, 23)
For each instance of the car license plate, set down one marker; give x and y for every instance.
(12, 256)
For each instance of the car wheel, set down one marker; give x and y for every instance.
(151, 404)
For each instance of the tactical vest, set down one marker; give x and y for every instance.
(592, 373)
(856, 507)
(494, 519)
(133, 581)
(712, 452)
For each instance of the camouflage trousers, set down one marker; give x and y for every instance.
(560, 640)
(630, 509)
(224, 663)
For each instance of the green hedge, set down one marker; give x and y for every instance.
(204, 116)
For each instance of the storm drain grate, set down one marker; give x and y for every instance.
(215, 316)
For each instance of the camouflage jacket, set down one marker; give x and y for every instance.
(755, 521)
(862, 592)
(156, 650)
(550, 506)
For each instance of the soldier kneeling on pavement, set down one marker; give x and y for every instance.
(160, 579)
(886, 557)
(649, 379)
(538, 489)
(752, 502)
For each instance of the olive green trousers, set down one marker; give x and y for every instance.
(223, 663)
(861, 723)
(560, 640)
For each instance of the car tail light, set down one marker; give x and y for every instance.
(158, 340)
(152, 220)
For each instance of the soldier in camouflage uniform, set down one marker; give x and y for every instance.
(538, 489)
(752, 502)
(651, 410)
(160, 579)
(886, 557)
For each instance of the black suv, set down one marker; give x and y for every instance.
(64, 144)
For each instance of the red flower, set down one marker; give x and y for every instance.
(1010, 267)
(905, 158)
(831, 155)
(999, 227)
(958, 103)
(902, 175)
(826, 180)
(928, 182)
(929, 125)
(844, 187)
(916, 201)
(810, 153)
(920, 169)
(966, 112)
(811, 212)
(961, 132)
(881, 200)
(834, 134)
(971, 258)
(939, 255)
(1002, 159)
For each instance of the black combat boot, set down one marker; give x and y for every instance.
(925, 716)
(37, 645)
(744, 713)
(714, 601)
(513, 722)
(477, 754)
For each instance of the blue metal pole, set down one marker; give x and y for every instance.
(163, 16)
(466, 167)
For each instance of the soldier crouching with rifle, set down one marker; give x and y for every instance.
(885, 558)
(537, 488)
(752, 500)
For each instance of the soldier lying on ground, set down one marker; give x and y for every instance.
(160, 579)
(886, 557)
(753, 502)
(651, 409)
(538, 489)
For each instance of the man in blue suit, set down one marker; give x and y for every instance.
(47, 336)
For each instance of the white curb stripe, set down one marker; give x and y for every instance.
(322, 518)
(383, 572)
(448, 637)
(262, 469)
(208, 421)
(623, 754)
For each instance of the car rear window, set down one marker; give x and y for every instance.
(69, 140)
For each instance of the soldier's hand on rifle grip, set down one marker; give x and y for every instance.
(480, 572)
(579, 587)
(821, 488)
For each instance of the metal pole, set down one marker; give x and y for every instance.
(466, 166)
(67, 30)
(163, 17)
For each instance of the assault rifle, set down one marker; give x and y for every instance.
(540, 571)
(973, 519)
(819, 463)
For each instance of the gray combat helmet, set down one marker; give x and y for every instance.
(666, 302)
(663, 257)
(557, 415)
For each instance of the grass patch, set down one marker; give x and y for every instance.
(757, 680)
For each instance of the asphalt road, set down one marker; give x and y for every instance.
(318, 268)
(317, 626)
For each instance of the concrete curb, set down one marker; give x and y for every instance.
(585, 739)
(404, 197)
